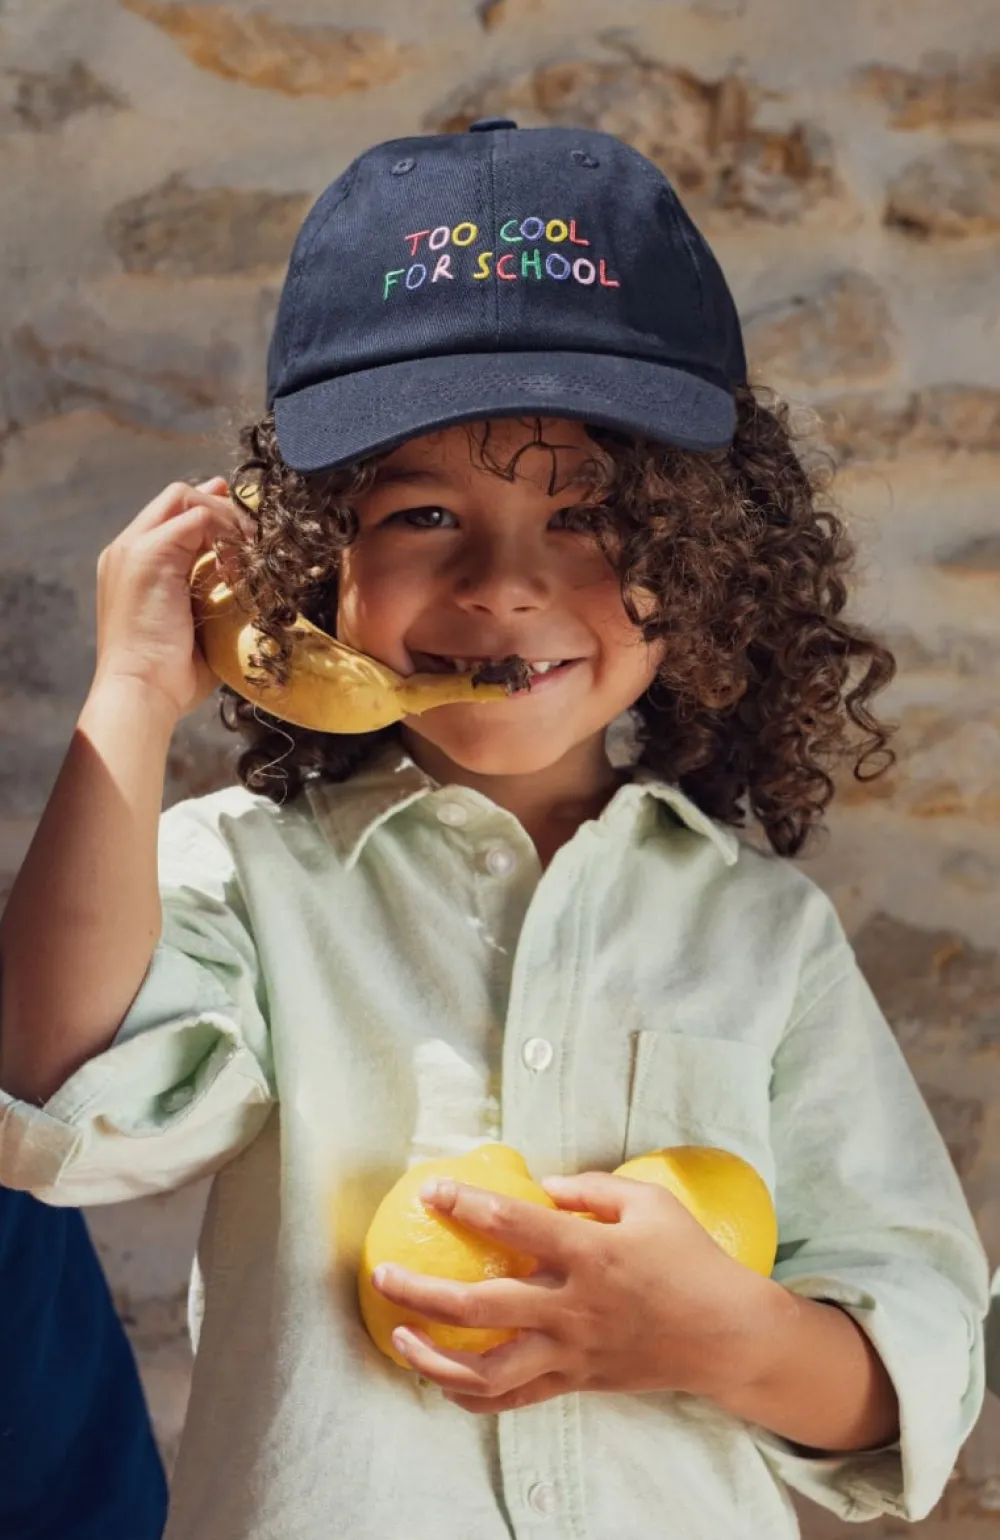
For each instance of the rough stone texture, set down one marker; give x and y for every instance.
(954, 191)
(944, 92)
(841, 332)
(960, 1119)
(940, 420)
(158, 157)
(262, 49)
(34, 100)
(940, 994)
(39, 621)
(179, 231)
(71, 358)
(979, 555)
(948, 767)
(702, 131)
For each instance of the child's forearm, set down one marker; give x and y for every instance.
(83, 918)
(814, 1378)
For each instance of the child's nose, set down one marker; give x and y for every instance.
(502, 577)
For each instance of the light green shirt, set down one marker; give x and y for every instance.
(381, 972)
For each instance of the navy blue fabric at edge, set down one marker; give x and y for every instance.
(77, 1456)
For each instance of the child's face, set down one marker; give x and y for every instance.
(453, 561)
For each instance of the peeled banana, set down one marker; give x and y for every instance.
(331, 687)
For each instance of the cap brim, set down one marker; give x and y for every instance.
(354, 415)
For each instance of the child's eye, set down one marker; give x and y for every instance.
(422, 518)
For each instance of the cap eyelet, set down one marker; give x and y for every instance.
(582, 158)
(403, 166)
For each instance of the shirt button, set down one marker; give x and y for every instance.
(538, 1053)
(453, 814)
(542, 1497)
(500, 861)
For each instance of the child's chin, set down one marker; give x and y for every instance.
(500, 753)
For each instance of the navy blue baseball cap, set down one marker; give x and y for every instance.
(501, 272)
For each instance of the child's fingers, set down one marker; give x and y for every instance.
(179, 497)
(500, 1372)
(528, 1228)
(504, 1303)
(595, 1193)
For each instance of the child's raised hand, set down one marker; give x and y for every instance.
(145, 624)
(644, 1301)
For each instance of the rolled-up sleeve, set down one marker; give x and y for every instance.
(872, 1218)
(188, 1079)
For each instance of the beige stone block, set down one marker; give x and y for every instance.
(703, 132)
(70, 356)
(942, 92)
(35, 100)
(941, 420)
(842, 330)
(507, 13)
(940, 994)
(948, 766)
(960, 1120)
(946, 651)
(179, 231)
(977, 557)
(42, 647)
(953, 191)
(261, 48)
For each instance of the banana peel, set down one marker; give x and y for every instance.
(331, 687)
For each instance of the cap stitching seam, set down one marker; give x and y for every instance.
(301, 257)
(493, 224)
(685, 236)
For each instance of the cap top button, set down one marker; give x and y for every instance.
(486, 125)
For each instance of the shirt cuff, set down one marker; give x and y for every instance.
(176, 1094)
(933, 1352)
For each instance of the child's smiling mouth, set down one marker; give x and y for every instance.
(540, 670)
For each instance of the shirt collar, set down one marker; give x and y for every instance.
(348, 812)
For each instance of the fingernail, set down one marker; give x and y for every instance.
(381, 1275)
(402, 1340)
(203, 486)
(438, 1192)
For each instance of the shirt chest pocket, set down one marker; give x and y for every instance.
(698, 1090)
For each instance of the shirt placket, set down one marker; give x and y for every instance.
(540, 1446)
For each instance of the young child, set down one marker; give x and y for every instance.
(508, 413)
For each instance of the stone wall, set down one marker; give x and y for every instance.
(845, 161)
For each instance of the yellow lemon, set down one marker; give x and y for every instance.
(723, 1192)
(404, 1231)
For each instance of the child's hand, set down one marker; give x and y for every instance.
(145, 625)
(647, 1301)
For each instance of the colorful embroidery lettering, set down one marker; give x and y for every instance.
(447, 242)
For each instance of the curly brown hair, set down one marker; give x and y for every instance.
(743, 563)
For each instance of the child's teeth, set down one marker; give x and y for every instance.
(463, 665)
